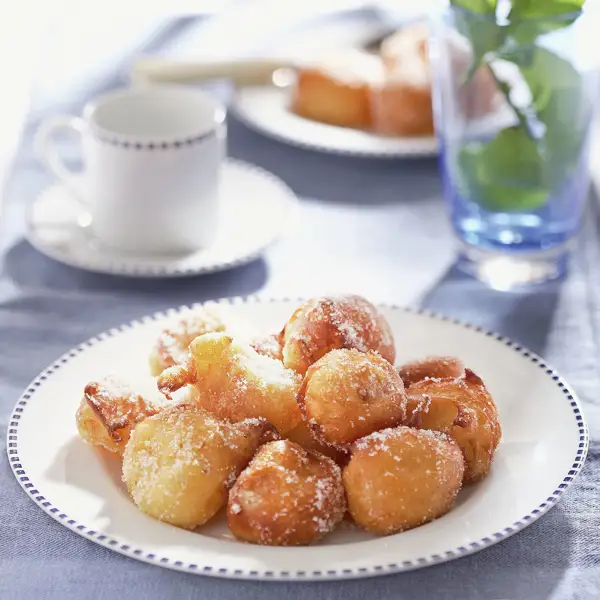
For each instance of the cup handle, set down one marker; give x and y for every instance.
(47, 152)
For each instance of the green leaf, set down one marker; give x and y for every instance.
(530, 19)
(512, 51)
(525, 31)
(481, 7)
(505, 174)
(478, 25)
(485, 37)
(534, 9)
(551, 77)
(520, 168)
(560, 103)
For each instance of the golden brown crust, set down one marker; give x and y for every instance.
(402, 104)
(319, 97)
(176, 377)
(348, 394)
(269, 345)
(400, 478)
(287, 496)
(109, 410)
(433, 367)
(337, 90)
(179, 464)
(414, 118)
(463, 409)
(171, 347)
(334, 322)
(234, 382)
(310, 439)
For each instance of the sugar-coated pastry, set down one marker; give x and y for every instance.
(402, 106)
(172, 345)
(402, 103)
(303, 436)
(287, 496)
(109, 410)
(433, 367)
(179, 464)
(177, 377)
(401, 478)
(336, 90)
(405, 55)
(464, 409)
(329, 322)
(269, 345)
(297, 432)
(234, 382)
(349, 394)
(405, 44)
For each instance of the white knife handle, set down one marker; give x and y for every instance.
(247, 72)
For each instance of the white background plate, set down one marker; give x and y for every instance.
(256, 209)
(265, 109)
(543, 448)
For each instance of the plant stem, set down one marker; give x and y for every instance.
(505, 89)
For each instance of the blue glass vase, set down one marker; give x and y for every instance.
(513, 106)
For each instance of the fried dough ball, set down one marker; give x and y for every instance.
(403, 105)
(175, 378)
(234, 382)
(108, 411)
(295, 428)
(331, 322)
(463, 409)
(348, 394)
(287, 496)
(179, 464)
(303, 436)
(336, 90)
(269, 345)
(401, 478)
(172, 345)
(433, 367)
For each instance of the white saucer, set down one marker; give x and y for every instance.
(265, 109)
(256, 209)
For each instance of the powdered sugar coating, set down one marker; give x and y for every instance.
(286, 496)
(332, 322)
(179, 463)
(400, 478)
(109, 410)
(269, 345)
(172, 345)
(379, 440)
(464, 409)
(235, 382)
(432, 367)
(348, 394)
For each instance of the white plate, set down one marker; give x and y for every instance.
(265, 109)
(544, 446)
(256, 209)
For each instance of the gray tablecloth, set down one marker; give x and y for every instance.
(375, 227)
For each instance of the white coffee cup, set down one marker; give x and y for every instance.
(152, 159)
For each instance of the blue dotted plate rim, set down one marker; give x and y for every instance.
(138, 553)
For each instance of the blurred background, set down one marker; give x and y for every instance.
(58, 55)
(57, 50)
